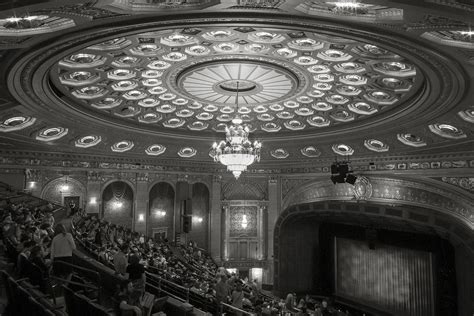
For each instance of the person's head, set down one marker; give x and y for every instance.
(238, 287)
(36, 251)
(134, 259)
(324, 304)
(60, 229)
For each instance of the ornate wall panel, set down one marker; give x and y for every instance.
(118, 204)
(385, 190)
(55, 191)
(200, 198)
(161, 208)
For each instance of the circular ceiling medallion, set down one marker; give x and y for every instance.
(218, 83)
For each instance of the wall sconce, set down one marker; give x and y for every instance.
(93, 200)
(31, 185)
(198, 219)
(117, 204)
(64, 188)
(160, 213)
(141, 217)
(244, 222)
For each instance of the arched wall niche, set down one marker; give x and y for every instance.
(53, 191)
(200, 224)
(161, 210)
(118, 203)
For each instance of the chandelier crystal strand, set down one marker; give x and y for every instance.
(237, 152)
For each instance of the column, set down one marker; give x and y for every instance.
(273, 211)
(141, 204)
(215, 233)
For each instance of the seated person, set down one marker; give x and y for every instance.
(128, 300)
(136, 272)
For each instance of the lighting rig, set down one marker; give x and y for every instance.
(341, 172)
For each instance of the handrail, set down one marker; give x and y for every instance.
(78, 267)
(166, 281)
(75, 283)
(166, 292)
(238, 309)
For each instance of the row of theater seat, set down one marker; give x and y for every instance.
(77, 304)
(25, 298)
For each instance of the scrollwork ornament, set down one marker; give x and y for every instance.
(363, 188)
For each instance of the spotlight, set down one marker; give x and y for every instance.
(337, 179)
(341, 173)
(351, 179)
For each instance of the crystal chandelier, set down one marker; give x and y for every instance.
(236, 152)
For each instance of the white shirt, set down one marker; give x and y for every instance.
(62, 246)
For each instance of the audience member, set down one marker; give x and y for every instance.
(62, 247)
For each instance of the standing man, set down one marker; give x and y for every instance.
(62, 247)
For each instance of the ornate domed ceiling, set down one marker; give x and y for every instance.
(290, 80)
(312, 82)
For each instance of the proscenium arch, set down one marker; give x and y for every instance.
(433, 195)
(378, 215)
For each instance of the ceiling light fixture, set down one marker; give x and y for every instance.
(236, 152)
(346, 4)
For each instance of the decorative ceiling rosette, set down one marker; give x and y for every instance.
(124, 61)
(447, 131)
(279, 153)
(90, 92)
(411, 140)
(306, 44)
(16, 123)
(467, 115)
(318, 121)
(266, 37)
(174, 122)
(198, 126)
(121, 74)
(197, 50)
(334, 55)
(294, 125)
(107, 103)
(122, 146)
(146, 50)
(87, 141)
(342, 149)
(376, 145)
(150, 118)
(82, 60)
(310, 151)
(127, 111)
(362, 108)
(220, 35)
(155, 150)
(176, 40)
(271, 127)
(51, 133)
(134, 95)
(148, 103)
(79, 78)
(187, 152)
